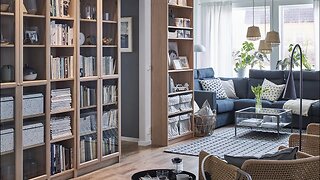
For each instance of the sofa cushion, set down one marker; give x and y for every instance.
(195, 74)
(228, 87)
(197, 85)
(205, 73)
(315, 109)
(244, 103)
(225, 105)
(273, 91)
(240, 86)
(278, 104)
(214, 85)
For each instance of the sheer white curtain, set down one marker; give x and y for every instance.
(216, 36)
(316, 4)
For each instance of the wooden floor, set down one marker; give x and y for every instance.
(135, 159)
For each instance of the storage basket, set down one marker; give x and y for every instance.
(204, 125)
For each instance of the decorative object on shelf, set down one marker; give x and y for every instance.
(258, 91)
(91, 40)
(89, 12)
(176, 64)
(24, 9)
(272, 36)
(31, 6)
(184, 62)
(126, 34)
(172, 20)
(3, 40)
(179, 22)
(31, 35)
(180, 33)
(186, 22)
(171, 85)
(107, 41)
(290, 90)
(187, 34)
(197, 49)
(253, 32)
(7, 73)
(265, 47)
(106, 16)
(29, 73)
(182, 2)
(173, 50)
(4, 7)
(180, 87)
(82, 38)
(173, 2)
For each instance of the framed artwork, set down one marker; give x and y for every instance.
(176, 64)
(184, 62)
(173, 50)
(126, 34)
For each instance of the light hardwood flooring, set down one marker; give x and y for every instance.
(135, 159)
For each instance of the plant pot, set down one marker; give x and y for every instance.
(241, 73)
(258, 104)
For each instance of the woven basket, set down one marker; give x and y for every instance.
(204, 125)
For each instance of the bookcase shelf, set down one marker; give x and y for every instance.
(6, 14)
(165, 35)
(34, 16)
(61, 112)
(61, 139)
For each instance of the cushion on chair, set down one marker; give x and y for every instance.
(224, 105)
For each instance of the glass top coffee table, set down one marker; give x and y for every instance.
(265, 118)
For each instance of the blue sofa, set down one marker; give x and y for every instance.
(226, 107)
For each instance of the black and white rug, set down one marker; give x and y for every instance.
(247, 143)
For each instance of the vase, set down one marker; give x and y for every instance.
(258, 104)
(241, 72)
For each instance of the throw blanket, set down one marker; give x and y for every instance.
(294, 105)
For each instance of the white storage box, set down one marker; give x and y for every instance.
(6, 139)
(32, 104)
(6, 107)
(184, 124)
(173, 130)
(185, 98)
(33, 134)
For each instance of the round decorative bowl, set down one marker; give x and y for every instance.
(30, 77)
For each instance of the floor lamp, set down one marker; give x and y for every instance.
(290, 90)
(198, 48)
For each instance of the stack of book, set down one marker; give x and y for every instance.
(61, 158)
(61, 67)
(108, 66)
(87, 96)
(88, 123)
(110, 142)
(59, 8)
(61, 34)
(109, 94)
(88, 148)
(60, 99)
(87, 66)
(60, 127)
(110, 119)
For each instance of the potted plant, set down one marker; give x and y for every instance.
(284, 64)
(243, 58)
(257, 91)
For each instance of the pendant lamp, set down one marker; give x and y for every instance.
(253, 32)
(273, 36)
(265, 47)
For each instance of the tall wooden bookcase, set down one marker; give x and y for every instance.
(54, 56)
(171, 126)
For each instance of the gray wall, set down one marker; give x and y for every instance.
(130, 75)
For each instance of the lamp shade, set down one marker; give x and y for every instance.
(199, 48)
(265, 47)
(290, 90)
(253, 33)
(273, 38)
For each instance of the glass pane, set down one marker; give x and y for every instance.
(7, 134)
(297, 27)
(88, 135)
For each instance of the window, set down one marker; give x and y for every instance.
(242, 19)
(297, 27)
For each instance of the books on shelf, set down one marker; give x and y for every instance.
(59, 8)
(88, 148)
(88, 123)
(87, 66)
(108, 65)
(60, 99)
(110, 142)
(61, 34)
(109, 94)
(110, 119)
(60, 127)
(61, 158)
(61, 67)
(87, 96)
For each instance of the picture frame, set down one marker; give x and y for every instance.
(176, 64)
(173, 50)
(126, 34)
(184, 62)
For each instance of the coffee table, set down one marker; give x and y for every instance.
(265, 118)
(152, 173)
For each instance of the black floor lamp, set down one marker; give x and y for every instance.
(290, 90)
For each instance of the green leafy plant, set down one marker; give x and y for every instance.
(285, 63)
(247, 56)
(258, 90)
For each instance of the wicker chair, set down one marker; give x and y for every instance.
(299, 169)
(310, 142)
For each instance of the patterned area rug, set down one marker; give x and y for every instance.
(249, 142)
